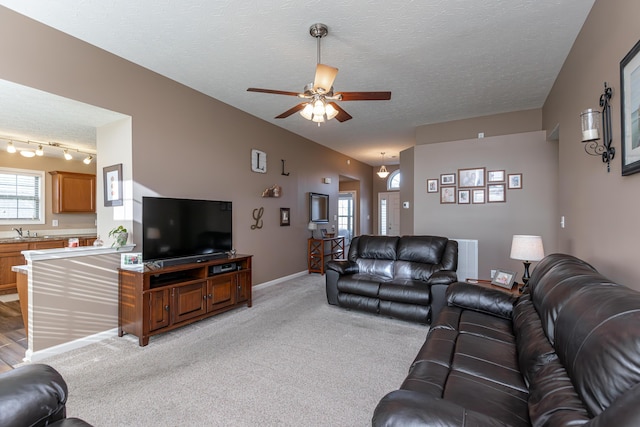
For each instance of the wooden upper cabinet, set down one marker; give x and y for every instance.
(73, 192)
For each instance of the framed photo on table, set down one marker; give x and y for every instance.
(504, 279)
(630, 100)
(112, 178)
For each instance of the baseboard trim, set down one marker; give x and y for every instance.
(280, 279)
(37, 356)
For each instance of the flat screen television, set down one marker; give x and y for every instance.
(185, 230)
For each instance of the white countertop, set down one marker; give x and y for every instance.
(57, 253)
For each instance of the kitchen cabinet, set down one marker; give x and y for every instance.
(73, 192)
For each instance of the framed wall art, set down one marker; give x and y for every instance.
(464, 197)
(432, 186)
(285, 217)
(448, 179)
(514, 181)
(496, 193)
(630, 100)
(495, 176)
(112, 179)
(447, 195)
(471, 177)
(477, 196)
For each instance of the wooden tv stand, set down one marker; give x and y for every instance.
(153, 301)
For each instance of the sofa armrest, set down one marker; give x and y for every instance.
(343, 266)
(443, 277)
(410, 408)
(478, 298)
(32, 395)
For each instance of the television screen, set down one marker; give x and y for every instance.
(184, 228)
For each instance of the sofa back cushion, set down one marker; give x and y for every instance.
(421, 256)
(373, 247)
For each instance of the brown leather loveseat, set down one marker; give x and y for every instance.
(402, 277)
(566, 353)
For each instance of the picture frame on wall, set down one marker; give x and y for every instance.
(471, 177)
(478, 196)
(514, 181)
(285, 217)
(448, 179)
(464, 197)
(495, 176)
(496, 193)
(447, 195)
(630, 106)
(112, 180)
(432, 186)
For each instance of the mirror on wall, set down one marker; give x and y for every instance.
(318, 207)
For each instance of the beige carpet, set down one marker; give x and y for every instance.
(290, 360)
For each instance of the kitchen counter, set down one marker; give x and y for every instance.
(45, 238)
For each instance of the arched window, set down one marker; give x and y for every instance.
(393, 182)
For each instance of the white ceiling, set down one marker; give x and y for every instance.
(441, 59)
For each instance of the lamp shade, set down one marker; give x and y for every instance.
(527, 248)
(312, 226)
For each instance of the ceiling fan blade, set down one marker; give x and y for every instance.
(365, 96)
(342, 116)
(276, 92)
(292, 110)
(325, 75)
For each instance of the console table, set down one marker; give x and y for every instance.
(322, 250)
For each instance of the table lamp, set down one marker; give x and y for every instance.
(312, 227)
(526, 249)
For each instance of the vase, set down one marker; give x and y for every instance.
(121, 239)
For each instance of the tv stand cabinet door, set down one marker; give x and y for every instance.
(159, 309)
(189, 301)
(244, 287)
(221, 292)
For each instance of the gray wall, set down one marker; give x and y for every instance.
(530, 210)
(186, 144)
(601, 208)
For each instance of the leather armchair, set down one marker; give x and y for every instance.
(34, 395)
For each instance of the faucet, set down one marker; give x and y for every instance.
(18, 230)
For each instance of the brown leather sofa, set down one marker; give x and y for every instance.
(566, 353)
(401, 277)
(35, 395)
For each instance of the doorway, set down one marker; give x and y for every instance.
(347, 215)
(389, 213)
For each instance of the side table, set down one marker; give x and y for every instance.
(320, 251)
(515, 290)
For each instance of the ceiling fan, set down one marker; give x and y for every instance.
(320, 99)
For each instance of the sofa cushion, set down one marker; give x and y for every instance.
(422, 249)
(360, 284)
(409, 291)
(406, 311)
(359, 302)
(382, 268)
(376, 247)
(414, 270)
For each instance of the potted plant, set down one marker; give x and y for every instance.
(121, 235)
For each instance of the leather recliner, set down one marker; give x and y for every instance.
(401, 277)
(34, 395)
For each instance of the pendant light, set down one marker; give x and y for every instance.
(383, 172)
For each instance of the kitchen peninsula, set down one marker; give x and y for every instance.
(72, 297)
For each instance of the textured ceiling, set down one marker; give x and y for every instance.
(441, 59)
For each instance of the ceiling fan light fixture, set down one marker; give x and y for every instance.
(318, 107)
(330, 111)
(307, 111)
(318, 118)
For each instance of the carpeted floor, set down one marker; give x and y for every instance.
(290, 360)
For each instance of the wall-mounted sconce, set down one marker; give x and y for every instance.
(591, 120)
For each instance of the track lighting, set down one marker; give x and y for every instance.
(16, 145)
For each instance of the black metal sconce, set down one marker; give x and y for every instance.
(590, 129)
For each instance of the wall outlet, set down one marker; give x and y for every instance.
(54, 223)
(493, 274)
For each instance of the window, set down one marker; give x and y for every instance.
(393, 182)
(21, 196)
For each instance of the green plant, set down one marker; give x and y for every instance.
(120, 234)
